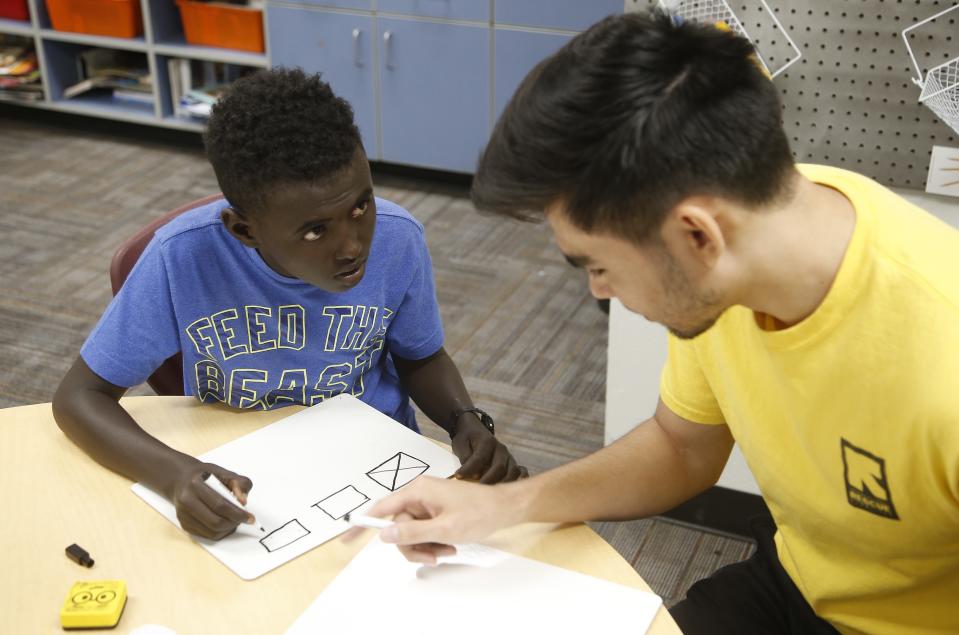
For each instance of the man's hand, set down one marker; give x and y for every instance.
(432, 514)
(202, 511)
(484, 458)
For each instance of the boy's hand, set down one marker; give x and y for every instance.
(203, 512)
(484, 458)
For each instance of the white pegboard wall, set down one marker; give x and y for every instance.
(850, 101)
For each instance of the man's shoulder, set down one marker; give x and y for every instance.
(192, 224)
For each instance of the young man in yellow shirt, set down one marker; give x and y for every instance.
(814, 320)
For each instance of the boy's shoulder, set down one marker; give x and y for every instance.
(188, 223)
(395, 217)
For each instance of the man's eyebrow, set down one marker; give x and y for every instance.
(577, 261)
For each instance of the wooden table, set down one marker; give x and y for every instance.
(54, 495)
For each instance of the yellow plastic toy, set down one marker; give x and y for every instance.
(94, 604)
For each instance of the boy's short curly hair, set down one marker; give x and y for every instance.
(277, 126)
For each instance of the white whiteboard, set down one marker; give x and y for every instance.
(308, 470)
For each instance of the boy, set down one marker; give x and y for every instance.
(298, 286)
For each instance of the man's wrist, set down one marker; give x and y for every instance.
(520, 498)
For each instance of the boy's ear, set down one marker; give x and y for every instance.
(238, 226)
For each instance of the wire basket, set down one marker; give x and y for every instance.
(719, 11)
(940, 87)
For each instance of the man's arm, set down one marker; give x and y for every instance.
(665, 461)
(88, 410)
(437, 387)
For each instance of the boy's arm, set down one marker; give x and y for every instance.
(437, 387)
(88, 410)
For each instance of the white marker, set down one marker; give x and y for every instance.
(370, 522)
(243, 528)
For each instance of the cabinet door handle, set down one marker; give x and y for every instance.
(388, 49)
(357, 53)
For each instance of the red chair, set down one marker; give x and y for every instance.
(168, 378)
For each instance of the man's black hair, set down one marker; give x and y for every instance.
(276, 127)
(629, 118)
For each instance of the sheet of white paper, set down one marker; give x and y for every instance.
(475, 555)
(310, 469)
(516, 595)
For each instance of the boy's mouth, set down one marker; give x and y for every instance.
(353, 274)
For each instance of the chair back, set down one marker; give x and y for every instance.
(168, 378)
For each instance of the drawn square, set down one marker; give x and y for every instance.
(341, 503)
(397, 471)
(285, 535)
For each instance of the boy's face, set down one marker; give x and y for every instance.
(319, 233)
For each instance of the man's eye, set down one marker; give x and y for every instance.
(361, 208)
(314, 234)
(595, 272)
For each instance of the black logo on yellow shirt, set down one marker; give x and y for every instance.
(866, 484)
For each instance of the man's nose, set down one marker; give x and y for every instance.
(600, 290)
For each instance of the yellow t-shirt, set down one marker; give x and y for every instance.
(849, 420)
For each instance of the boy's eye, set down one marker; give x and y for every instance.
(595, 272)
(314, 234)
(361, 208)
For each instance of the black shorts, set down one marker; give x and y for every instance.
(753, 596)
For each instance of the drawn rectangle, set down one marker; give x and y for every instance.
(284, 536)
(341, 503)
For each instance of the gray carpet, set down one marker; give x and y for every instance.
(520, 324)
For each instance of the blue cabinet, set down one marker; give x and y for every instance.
(449, 9)
(517, 52)
(434, 93)
(574, 15)
(362, 5)
(338, 45)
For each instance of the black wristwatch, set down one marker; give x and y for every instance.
(484, 418)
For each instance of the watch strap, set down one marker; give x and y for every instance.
(481, 414)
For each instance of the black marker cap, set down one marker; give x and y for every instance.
(76, 553)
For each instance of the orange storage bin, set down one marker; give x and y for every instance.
(222, 25)
(118, 18)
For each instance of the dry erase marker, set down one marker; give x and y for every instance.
(243, 528)
(369, 522)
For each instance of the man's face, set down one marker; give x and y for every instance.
(646, 279)
(319, 233)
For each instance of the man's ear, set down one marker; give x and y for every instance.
(694, 231)
(238, 227)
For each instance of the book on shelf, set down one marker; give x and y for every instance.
(19, 72)
(196, 85)
(117, 74)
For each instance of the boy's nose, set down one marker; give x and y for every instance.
(351, 247)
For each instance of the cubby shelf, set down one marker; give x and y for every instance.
(426, 79)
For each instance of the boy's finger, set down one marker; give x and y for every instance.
(477, 463)
(221, 506)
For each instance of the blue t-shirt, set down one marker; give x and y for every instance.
(252, 338)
